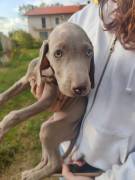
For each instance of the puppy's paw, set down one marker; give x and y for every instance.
(27, 175)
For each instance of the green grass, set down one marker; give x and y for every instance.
(23, 140)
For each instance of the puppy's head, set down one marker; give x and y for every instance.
(68, 56)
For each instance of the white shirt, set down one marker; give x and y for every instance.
(107, 136)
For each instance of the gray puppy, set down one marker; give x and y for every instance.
(64, 73)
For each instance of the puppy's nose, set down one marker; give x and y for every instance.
(79, 90)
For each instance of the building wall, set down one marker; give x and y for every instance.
(35, 24)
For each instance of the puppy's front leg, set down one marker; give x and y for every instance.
(21, 84)
(18, 87)
(15, 117)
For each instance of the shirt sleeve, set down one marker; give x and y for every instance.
(125, 171)
(86, 16)
(74, 18)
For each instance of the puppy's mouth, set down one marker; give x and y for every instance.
(71, 91)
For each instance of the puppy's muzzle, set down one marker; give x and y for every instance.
(80, 90)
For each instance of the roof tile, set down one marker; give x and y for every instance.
(54, 10)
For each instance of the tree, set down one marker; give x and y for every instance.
(43, 5)
(56, 4)
(5, 43)
(25, 8)
(21, 39)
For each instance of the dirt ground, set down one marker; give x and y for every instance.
(20, 164)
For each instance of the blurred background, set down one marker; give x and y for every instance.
(24, 24)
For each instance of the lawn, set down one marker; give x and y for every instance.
(20, 149)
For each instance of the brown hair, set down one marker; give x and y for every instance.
(123, 21)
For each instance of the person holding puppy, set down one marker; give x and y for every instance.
(107, 134)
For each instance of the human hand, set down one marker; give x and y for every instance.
(70, 176)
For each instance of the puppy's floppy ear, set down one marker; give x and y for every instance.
(92, 72)
(43, 61)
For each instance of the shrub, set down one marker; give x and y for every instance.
(23, 39)
(37, 43)
(1, 46)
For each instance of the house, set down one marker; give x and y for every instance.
(41, 21)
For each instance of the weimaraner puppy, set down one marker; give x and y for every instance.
(64, 75)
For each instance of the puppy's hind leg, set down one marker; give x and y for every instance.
(50, 136)
(44, 158)
(45, 171)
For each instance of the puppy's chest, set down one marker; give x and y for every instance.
(61, 102)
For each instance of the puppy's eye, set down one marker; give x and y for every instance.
(58, 53)
(89, 52)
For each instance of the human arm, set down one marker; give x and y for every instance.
(70, 176)
(17, 116)
(126, 171)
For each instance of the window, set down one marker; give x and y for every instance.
(43, 22)
(44, 35)
(57, 20)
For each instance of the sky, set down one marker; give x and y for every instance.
(11, 20)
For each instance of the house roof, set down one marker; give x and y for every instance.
(54, 10)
